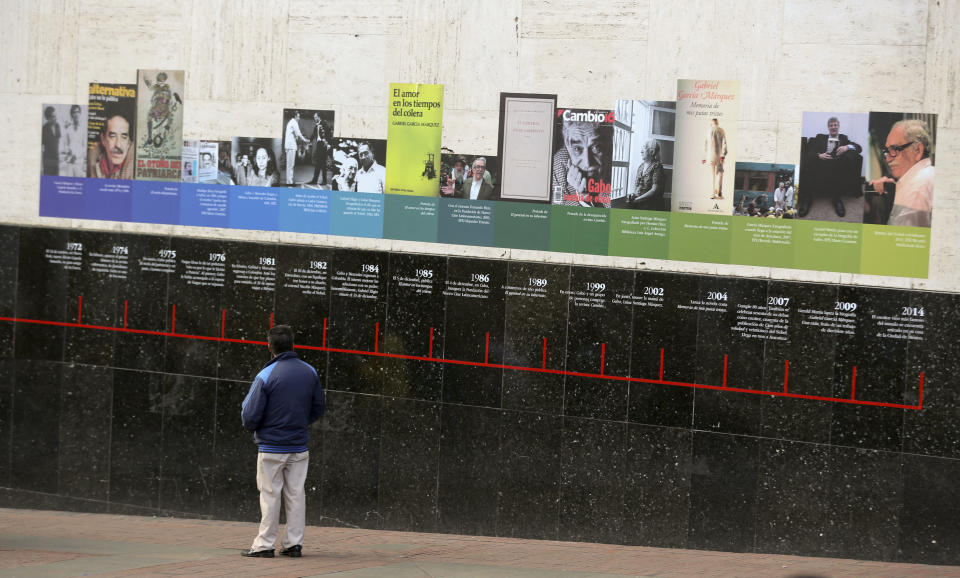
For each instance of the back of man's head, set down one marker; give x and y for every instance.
(280, 339)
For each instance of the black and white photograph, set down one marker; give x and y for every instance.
(643, 142)
(64, 140)
(357, 164)
(255, 162)
(307, 138)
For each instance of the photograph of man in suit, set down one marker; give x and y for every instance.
(477, 188)
(832, 159)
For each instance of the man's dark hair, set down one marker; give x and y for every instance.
(280, 339)
(48, 112)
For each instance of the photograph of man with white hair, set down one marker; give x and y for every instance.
(902, 170)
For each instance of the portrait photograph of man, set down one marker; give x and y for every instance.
(901, 169)
(832, 167)
(64, 140)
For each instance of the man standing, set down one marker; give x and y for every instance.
(321, 148)
(113, 159)
(372, 177)
(73, 147)
(50, 142)
(780, 196)
(832, 158)
(285, 398)
(291, 141)
(907, 152)
(714, 152)
(478, 187)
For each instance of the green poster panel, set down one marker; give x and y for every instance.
(898, 251)
(705, 238)
(639, 233)
(413, 139)
(579, 229)
(762, 241)
(410, 218)
(521, 225)
(827, 246)
(466, 222)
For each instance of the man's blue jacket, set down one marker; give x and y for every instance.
(284, 399)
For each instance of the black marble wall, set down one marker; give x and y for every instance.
(124, 359)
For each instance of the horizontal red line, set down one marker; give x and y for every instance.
(477, 364)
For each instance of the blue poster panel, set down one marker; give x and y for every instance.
(107, 199)
(204, 205)
(304, 211)
(156, 202)
(356, 214)
(61, 196)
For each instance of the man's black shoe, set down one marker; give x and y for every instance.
(292, 551)
(838, 207)
(257, 553)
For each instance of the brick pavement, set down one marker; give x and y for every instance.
(48, 543)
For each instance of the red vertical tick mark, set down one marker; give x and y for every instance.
(124, 313)
(920, 405)
(80, 309)
(603, 354)
(724, 370)
(324, 332)
(544, 353)
(431, 343)
(223, 323)
(486, 352)
(271, 321)
(661, 364)
(376, 338)
(173, 320)
(853, 384)
(786, 374)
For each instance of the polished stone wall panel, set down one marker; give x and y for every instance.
(9, 239)
(35, 437)
(135, 438)
(473, 331)
(42, 292)
(188, 405)
(469, 469)
(86, 405)
(138, 415)
(358, 310)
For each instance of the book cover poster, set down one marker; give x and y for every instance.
(64, 140)
(159, 125)
(526, 146)
(464, 176)
(357, 165)
(255, 161)
(208, 152)
(190, 157)
(582, 147)
(111, 131)
(307, 139)
(413, 134)
(224, 163)
(708, 113)
(643, 148)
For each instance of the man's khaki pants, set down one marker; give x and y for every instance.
(281, 476)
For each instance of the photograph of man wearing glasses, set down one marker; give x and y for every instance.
(901, 170)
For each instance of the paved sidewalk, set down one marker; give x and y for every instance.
(45, 543)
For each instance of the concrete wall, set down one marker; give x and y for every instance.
(246, 60)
